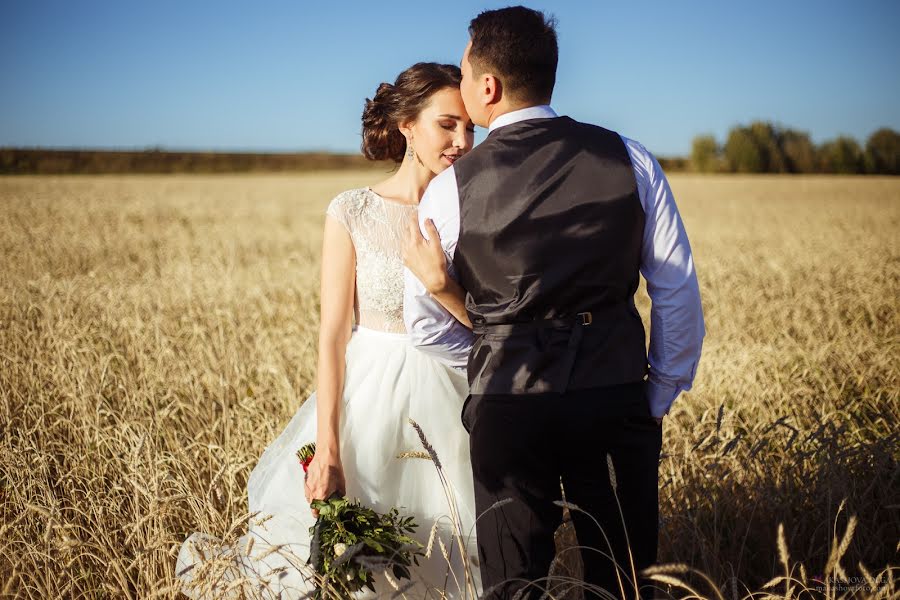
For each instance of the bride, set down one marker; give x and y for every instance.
(370, 380)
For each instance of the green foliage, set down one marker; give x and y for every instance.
(799, 151)
(758, 148)
(350, 541)
(705, 154)
(842, 155)
(768, 139)
(25, 161)
(763, 147)
(883, 152)
(743, 152)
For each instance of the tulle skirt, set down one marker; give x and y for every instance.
(387, 383)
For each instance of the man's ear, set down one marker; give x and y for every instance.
(492, 89)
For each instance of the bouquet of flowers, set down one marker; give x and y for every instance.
(349, 542)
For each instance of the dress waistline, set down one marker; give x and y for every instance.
(367, 331)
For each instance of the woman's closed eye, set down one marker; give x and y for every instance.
(452, 127)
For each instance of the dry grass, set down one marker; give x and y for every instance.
(157, 332)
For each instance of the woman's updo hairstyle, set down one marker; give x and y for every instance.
(400, 103)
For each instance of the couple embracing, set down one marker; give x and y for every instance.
(488, 295)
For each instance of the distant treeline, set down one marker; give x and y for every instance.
(14, 161)
(760, 147)
(763, 147)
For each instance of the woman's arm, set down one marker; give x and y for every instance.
(325, 475)
(427, 261)
(452, 297)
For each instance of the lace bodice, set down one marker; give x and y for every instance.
(376, 226)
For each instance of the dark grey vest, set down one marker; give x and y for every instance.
(550, 230)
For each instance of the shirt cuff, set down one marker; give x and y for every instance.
(660, 397)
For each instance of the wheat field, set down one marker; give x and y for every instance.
(156, 332)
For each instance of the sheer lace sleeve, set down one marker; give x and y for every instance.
(339, 209)
(376, 228)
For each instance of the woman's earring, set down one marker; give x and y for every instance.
(409, 150)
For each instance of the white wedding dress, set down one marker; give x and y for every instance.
(387, 382)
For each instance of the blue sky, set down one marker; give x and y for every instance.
(289, 76)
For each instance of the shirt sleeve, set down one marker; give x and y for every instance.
(676, 313)
(434, 330)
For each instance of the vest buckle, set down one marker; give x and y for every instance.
(586, 318)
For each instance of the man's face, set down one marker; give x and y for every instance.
(470, 90)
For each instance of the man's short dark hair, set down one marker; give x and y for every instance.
(518, 45)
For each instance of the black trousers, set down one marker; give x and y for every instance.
(522, 444)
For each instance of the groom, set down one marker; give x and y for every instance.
(547, 224)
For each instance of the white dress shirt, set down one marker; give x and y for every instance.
(676, 316)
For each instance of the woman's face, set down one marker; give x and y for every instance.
(442, 132)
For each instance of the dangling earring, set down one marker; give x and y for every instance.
(409, 150)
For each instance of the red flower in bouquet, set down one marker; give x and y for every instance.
(306, 455)
(349, 542)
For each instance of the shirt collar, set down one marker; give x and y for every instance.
(532, 112)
